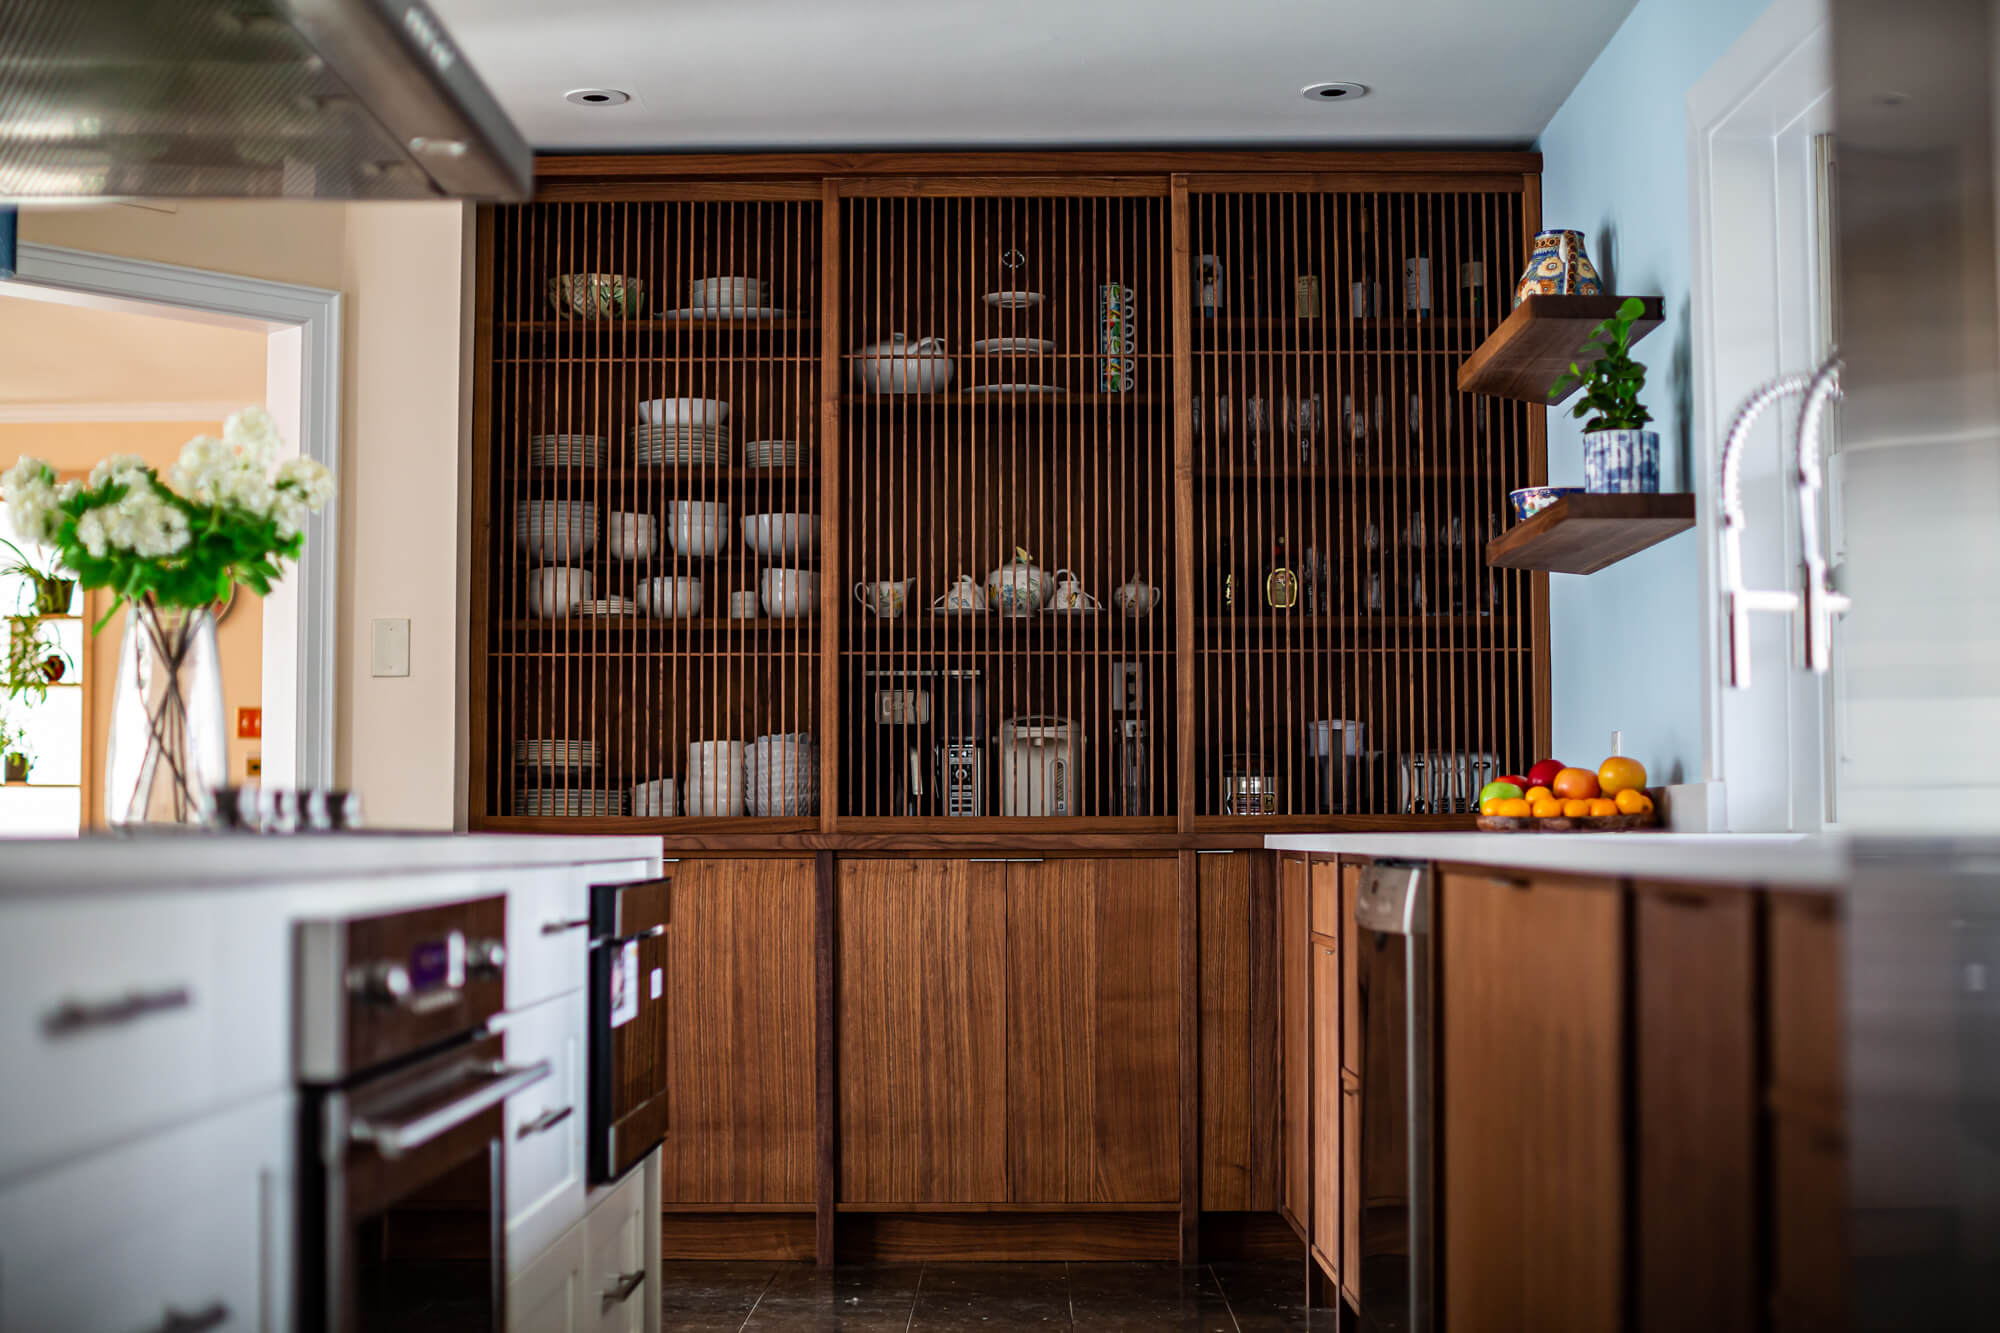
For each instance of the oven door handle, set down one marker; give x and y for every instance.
(393, 1138)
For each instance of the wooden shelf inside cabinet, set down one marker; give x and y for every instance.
(1536, 344)
(1581, 534)
(1055, 634)
(1265, 624)
(806, 626)
(593, 326)
(675, 476)
(1013, 402)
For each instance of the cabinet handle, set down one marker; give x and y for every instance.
(213, 1315)
(1215, 851)
(543, 1123)
(74, 1016)
(622, 1291)
(563, 927)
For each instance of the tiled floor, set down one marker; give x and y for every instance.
(947, 1298)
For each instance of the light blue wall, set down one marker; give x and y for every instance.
(1626, 641)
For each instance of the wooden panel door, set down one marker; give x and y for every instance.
(1810, 1255)
(1695, 1102)
(1093, 1033)
(922, 1041)
(740, 1049)
(1531, 996)
(1295, 1031)
(1239, 1032)
(1327, 1209)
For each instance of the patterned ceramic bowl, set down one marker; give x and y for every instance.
(1532, 500)
(598, 295)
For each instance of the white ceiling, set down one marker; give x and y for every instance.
(748, 74)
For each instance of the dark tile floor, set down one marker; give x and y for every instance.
(947, 1298)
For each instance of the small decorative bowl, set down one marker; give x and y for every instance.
(1532, 500)
(598, 295)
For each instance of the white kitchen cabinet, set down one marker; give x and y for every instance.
(622, 1268)
(549, 1294)
(193, 1223)
(548, 932)
(120, 1015)
(545, 1126)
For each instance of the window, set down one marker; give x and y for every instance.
(50, 802)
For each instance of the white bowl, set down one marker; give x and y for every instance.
(726, 291)
(554, 589)
(788, 593)
(902, 366)
(670, 597)
(705, 511)
(658, 798)
(698, 538)
(715, 778)
(632, 536)
(683, 411)
(781, 534)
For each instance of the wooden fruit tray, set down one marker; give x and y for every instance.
(1580, 824)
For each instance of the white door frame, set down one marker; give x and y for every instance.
(302, 390)
(1750, 203)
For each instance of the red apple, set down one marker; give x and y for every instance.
(1514, 778)
(1542, 774)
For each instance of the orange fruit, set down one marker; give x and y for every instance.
(1575, 784)
(1546, 808)
(1603, 806)
(1535, 795)
(1513, 809)
(1576, 809)
(1618, 774)
(1634, 802)
(1491, 807)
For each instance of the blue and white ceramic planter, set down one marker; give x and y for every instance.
(1621, 462)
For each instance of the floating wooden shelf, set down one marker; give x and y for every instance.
(1581, 534)
(1536, 344)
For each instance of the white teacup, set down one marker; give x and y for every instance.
(1136, 597)
(885, 597)
(788, 593)
(554, 589)
(1069, 594)
(964, 595)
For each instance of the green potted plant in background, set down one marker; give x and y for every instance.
(226, 514)
(1619, 453)
(15, 757)
(35, 659)
(53, 590)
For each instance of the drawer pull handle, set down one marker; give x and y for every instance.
(564, 927)
(622, 1291)
(213, 1315)
(493, 1084)
(543, 1123)
(73, 1016)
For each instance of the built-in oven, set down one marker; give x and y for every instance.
(628, 962)
(402, 1186)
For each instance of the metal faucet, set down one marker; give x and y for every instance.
(1820, 601)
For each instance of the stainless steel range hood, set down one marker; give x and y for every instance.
(297, 99)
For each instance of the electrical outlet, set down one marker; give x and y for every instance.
(1128, 687)
(249, 724)
(392, 648)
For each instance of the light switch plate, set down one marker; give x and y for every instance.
(392, 648)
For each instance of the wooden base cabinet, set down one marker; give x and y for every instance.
(1238, 994)
(1294, 1032)
(1328, 1176)
(1008, 1032)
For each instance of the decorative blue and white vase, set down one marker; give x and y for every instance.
(1558, 267)
(1621, 462)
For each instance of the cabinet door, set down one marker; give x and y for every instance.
(621, 1269)
(1238, 989)
(921, 1014)
(1350, 1186)
(741, 1070)
(1326, 1154)
(1093, 1059)
(1295, 1031)
(1531, 992)
(549, 1294)
(1810, 1257)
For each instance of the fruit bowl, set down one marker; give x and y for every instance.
(1575, 824)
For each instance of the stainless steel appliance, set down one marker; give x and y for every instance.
(628, 959)
(308, 99)
(925, 740)
(1037, 767)
(1134, 768)
(1250, 786)
(401, 1115)
(1444, 782)
(959, 756)
(1393, 965)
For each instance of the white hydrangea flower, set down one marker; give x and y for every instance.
(33, 499)
(141, 522)
(254, 435)
(310, 478)
(125, 469)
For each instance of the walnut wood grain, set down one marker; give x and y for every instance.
(1327, 1159)
(1540, 340)
(1581, 534)
(784, 1237)
(630, 166)
(1238, 1034)
(1295, 1031)
(1806, 1114)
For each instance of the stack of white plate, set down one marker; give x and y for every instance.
(555, 754)
(715, 778)
(771, 453)
(698, 527)
(614, 605)
(569, 803)
(658, 798)
(661, 446)
(783, 775)
(565, 450)
(556, 529)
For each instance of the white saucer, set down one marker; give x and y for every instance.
(727, 312)
(1016, 390)
(1014, 346)
(1013, 300)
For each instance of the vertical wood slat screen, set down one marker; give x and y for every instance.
(1338, 433)
(600, 680)
(1338, 470)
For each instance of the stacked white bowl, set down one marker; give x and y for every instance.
(726, 293)
(698, 527)
(556, 529)
(715, 778)
(793, 535)
(783, 774)
(659, 798)
(632, 536)
(554, 591)
(670, 597)
(684, 413)
(788, 593)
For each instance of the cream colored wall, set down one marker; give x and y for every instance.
(75, 354)
(73, 447)
(401, 270)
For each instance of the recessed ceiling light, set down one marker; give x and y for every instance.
(1333, 92)
(596, 97)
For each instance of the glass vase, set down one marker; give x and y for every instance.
(168, 752)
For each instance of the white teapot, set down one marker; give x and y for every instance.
(1018, 588)
(963, 597)
(1136, 597)
(1069, 594)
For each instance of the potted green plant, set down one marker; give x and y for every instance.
(15, 756)
(52, 589)
(1619, 453)
(34, 660)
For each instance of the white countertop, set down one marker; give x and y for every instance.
(124, 863)
(1777, 859)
